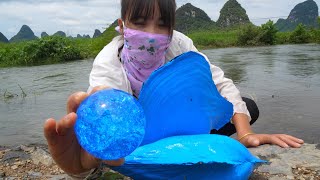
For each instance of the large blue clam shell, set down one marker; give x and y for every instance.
(181, 98)
(190, 157)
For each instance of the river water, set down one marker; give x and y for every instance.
(284, 80)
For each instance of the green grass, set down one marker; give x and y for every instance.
(214, 39)
(52, 50)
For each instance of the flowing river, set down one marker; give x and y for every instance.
(284, 80)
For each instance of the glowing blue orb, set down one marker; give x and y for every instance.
(110, 124)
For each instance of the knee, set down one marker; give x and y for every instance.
(252, 108)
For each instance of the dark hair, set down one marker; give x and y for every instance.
(133, 9)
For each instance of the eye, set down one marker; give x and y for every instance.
(162, 24)
(139, 21)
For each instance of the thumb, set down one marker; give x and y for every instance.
(253, 142)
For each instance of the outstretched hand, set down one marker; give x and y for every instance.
(63, 144)
(282, 140)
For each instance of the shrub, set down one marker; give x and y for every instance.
(253, 35)
(268, 33)
(49, 50)
(248, 35)
(300, 35)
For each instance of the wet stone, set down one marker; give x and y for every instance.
(10, 156)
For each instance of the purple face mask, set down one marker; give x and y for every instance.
(142, 54)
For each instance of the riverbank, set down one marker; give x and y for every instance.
(34, 162)
(54, 49)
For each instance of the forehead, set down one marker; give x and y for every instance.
(146, 10)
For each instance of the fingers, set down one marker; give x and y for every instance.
(75, 100)
(50, 131)
(98, 88)
(290, 141)
(282, 140)
(300, 141)
(118, 162)
(277, 140)
(65, 124)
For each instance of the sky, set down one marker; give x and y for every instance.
(84, 16)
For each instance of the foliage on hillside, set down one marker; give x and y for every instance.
(232, 14)
(3, 38)
(305, 13)
(24, 34)
(190, 19)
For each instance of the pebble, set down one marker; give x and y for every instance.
(14, 167)
(41, 156)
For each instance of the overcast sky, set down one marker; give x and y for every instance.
(84, 16)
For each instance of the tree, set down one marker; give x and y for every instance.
(268, 33)
(248, 35)
(300, 35)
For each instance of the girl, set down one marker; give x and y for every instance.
(147, 41)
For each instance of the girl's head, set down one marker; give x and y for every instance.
(153, 16)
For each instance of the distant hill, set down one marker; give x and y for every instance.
(305, 13)
(96, 34)
(232, 14)
(24, 34)
(60, 33)
(3, 38)
(190, 18)
(44, 34)
(85, 36)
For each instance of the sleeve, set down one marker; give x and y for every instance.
(228, 90)
(107, 69)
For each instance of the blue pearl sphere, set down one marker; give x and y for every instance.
(110, 124)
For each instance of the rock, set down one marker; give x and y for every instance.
(25, 34)
(44, 34)
(60, 33)
(59, 177)
(14, 167)
(3, 38)
(40, 155)
(232, 14)
(10, 156)
(190, 18)
(34, 174)
(284, 161)
(96, 34)
(305, 13)
(27, 149)
(2, 174)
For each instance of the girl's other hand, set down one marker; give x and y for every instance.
(282, 140)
